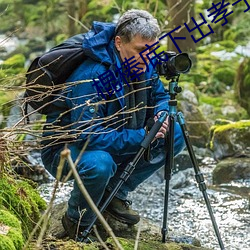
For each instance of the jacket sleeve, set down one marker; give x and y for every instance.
(88, 123)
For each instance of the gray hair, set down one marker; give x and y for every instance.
(137, 22)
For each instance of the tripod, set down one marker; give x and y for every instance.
(169, 163)
(173, 90)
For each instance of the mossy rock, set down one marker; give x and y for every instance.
(22, 200)
(232, 139)
(10, 231)
(150, 235)
(128, 244)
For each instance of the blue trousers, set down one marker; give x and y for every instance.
(100, 170)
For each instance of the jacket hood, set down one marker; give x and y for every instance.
(98, 42)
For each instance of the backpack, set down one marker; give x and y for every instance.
(48, 73)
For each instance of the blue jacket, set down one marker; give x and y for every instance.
(91, 118)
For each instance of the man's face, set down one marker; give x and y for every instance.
(133, 48)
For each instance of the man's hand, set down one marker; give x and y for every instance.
(164, 128)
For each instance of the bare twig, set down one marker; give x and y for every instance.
(99, 238)
(77, 21)
(66, 154)
(137, 236)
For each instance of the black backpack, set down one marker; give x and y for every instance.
(48, 73)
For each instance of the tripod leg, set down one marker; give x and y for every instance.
(199, 176)
(168, 173)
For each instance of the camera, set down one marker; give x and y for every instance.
(172, 65)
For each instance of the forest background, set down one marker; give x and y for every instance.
(219, 76)
(216, 73)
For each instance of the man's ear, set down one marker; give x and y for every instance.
(118, 43)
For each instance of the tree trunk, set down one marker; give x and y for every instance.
(83, 7)
(180, 12)
(72, 13)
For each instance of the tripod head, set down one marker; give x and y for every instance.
(171, 65)
(174, 89)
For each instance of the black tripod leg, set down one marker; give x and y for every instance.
(168, 173)
(199, 177)
(129, 169)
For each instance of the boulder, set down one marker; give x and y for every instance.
(231, 169)
(231, 139)
(150, 235)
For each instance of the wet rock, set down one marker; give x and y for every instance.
(150, 234)
(181, 179)
(231, 169)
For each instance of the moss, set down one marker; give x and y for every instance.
(9, 219)
(225, 75)
(236, 125)
(16, 237)
(22, 200)
(128, 244)
(219, 102)
(6, 243)
(13, 239)
(212, 100)
(221, 132)
(229, 45)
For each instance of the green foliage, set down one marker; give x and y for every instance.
(242, 84)
(239, 32)
(213, 72)
(214, 101)
(219, 102)
(16, 61)
(224, 75)
(13, 66)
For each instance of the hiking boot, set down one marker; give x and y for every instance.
(75, 231)
(121, 211)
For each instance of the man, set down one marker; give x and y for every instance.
(111, 129)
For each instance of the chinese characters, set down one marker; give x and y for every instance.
(111, 81)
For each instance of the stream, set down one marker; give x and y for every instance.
(187, 212)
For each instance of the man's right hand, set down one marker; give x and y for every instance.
(164, 128)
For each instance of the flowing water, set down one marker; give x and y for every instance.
(187, 212)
